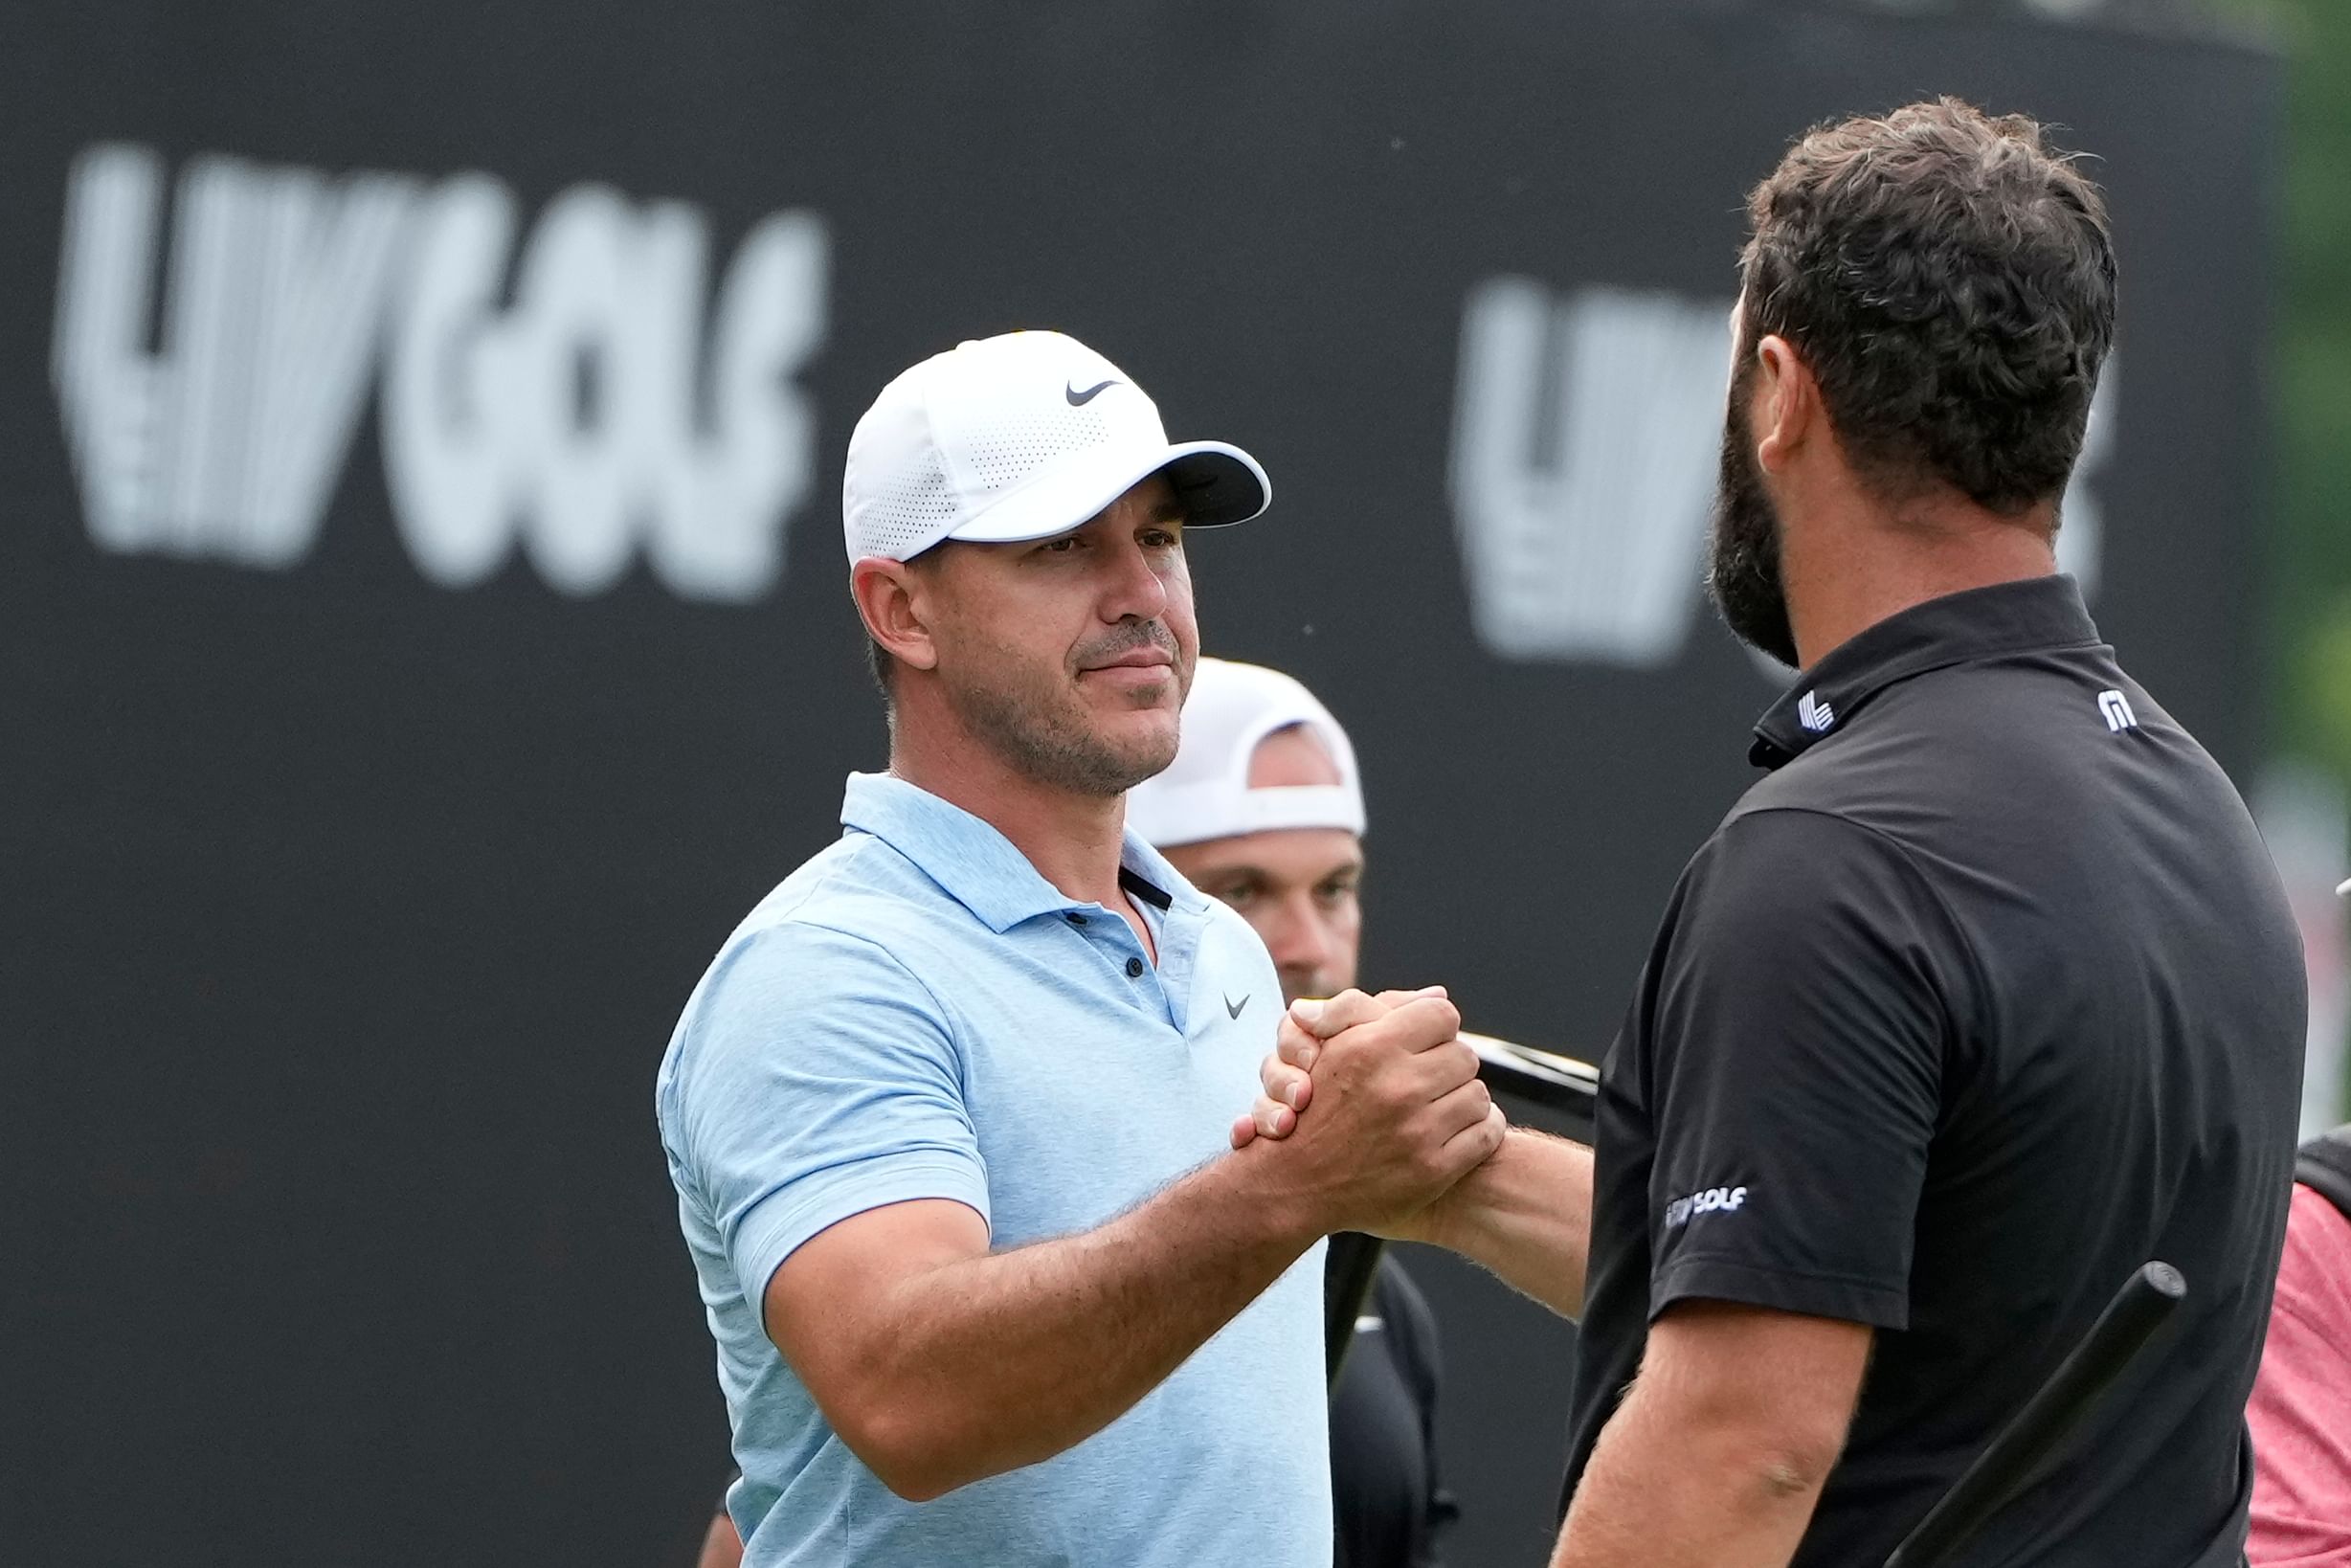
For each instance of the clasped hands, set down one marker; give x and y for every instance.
(1380, 1104)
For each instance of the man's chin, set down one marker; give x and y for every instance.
(1131, 709)
(1152, 753)
(1131, 685)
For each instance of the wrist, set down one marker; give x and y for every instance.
(1453, 1220)
(1261, 1205)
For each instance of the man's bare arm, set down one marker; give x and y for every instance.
(1525, 1214)
(939, 1362)
(1716, 1456)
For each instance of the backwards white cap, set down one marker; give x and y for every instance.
(1205, 791)
(1019, 436)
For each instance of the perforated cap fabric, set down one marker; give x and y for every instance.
(1205, 791)
(1021, 436)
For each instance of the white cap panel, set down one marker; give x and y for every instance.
(1204, 793)
(948, 440)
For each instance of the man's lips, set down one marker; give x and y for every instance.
(1135, 659)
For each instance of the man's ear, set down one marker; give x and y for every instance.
(1787, 407)
(894, 603)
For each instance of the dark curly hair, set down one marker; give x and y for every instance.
(1950, 281)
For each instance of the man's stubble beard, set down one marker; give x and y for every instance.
(1742, 553)
(1035, 720)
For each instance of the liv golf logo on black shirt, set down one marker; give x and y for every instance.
(1679, 1211)
(589, 419)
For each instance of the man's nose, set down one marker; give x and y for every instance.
(1135, 591)
(1297, 939)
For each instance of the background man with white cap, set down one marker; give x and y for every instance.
(946, 1113)
(1262, 808)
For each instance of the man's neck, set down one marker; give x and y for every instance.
(1844, 578)
(1072, 840)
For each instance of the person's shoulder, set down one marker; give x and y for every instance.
(1783, 846)
(845, 931)
(858, 893)
(856, 884)
(1801, 895)
(2313, 1271)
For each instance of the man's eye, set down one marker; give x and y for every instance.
(1240, 898)
(1058, 547)
(1162, 538)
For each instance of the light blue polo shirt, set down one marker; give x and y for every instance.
(917, 1013)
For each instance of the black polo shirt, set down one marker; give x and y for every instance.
(1987, 995)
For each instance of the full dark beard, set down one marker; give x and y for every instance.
(1742, 553)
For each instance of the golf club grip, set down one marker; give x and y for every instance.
(1348, 1271)
(2146, 1299)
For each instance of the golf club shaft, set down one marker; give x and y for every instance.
(2080, 1381)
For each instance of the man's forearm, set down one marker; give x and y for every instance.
(990, 1364)
(1526, 1214)
(1671, 1486)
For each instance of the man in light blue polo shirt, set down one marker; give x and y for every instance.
(965, 1314)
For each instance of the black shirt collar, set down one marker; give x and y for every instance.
(1979, 624)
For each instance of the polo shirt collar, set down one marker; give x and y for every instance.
(1979, 624)
(978, 867)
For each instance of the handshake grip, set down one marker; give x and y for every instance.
(1561, 1085)
(1393, 1102)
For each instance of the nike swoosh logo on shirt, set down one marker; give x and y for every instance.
(1232, 1008)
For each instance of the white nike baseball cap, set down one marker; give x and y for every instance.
(1021, 436)
(1205, 791)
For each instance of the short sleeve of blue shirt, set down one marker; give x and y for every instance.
(820, 1080)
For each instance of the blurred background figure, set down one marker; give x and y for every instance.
(2300, 1412)
(1262, 808)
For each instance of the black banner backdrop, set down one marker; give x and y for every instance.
(423, 635)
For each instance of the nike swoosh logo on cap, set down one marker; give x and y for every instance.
(1079, 399)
